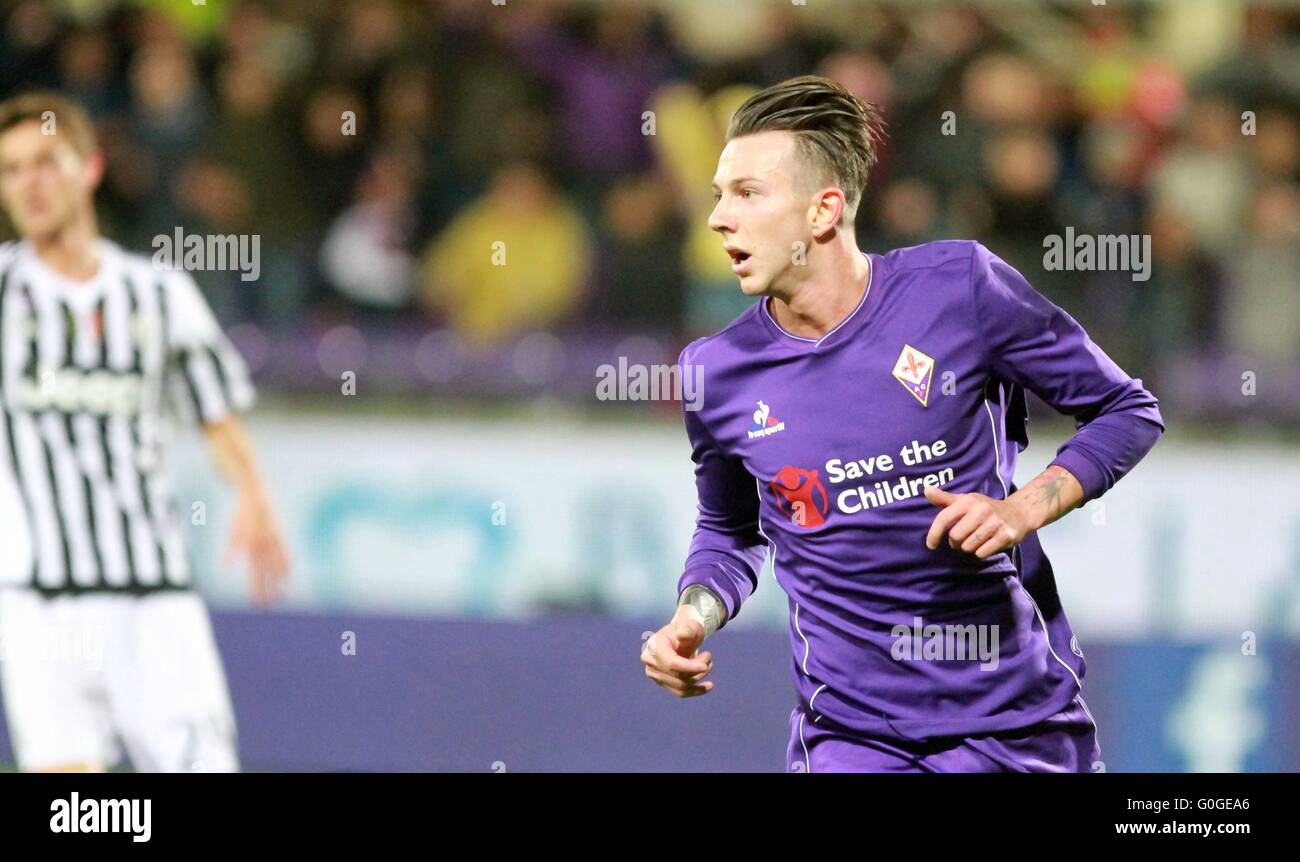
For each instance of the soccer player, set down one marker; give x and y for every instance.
(861, 428)
(107, 647)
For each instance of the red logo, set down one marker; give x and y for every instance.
(801, 495)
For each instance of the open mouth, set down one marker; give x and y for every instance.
(738, 259)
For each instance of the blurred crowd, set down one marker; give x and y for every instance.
(393, 155)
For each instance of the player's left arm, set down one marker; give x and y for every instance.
(209, 372)
(983, 525)
(255, 532)
(1033, 343)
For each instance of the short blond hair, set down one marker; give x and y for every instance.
(70, 118)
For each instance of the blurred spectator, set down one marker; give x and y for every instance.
(499, 116)
(602, 85)
(1206, 176)
(639, 276)
(365, 36)
(515, 259)
(29, 45)
(196, 22)
(366, 255)
(411, 114)
(257, 153)
(713, 33)
(331, 134)
(1262, 304)
(1262, 69)
(247, 136)
(905, 213)
(1276, 147)
(170, 109)
(87, 62)
(1177, 309)
(690, 128)
(1023, 168)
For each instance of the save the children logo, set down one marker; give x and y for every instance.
(914, 370)
(802, 496)
(764, 422)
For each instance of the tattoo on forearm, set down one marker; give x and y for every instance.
(1050, 494)
(707, 603)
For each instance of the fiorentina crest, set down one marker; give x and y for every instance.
(914, 370)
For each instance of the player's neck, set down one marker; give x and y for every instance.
(72, 251)
(821, 304)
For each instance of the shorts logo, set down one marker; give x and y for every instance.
(914, 370)
(801, 495)
(764, 422)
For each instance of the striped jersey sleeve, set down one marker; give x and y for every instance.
(207, 376)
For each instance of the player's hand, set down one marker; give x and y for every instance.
(975, 523)
(256, 535)
(670, 657)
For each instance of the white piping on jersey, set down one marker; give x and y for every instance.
(1047, 637)
(807, 650)
(806, 762)
(816, 342)
(997, 458)
(997, 455)
(771, 546)
(1087, 712)
(771, 553)
(1079, 698)
(806, 647)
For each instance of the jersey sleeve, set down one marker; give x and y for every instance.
(205, 369)
(1035, 344)
(727, 551)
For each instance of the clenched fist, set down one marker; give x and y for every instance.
(670, 655)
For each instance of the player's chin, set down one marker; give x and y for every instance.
(37, 229)
(752, 285)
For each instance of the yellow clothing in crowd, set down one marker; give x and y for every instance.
(499, 269)
(689, 132)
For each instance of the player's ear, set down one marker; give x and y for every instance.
(93, 169)
(825, 211)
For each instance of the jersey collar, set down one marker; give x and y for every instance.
(859, 315)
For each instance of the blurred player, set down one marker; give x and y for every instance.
(860, 393)
(106, 644)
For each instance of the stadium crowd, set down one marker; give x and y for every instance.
(380, 149)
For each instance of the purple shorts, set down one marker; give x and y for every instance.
(1064, 742)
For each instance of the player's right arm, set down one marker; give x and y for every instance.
(672, 657)
(722, 567)
(255, 530)
(204, 364)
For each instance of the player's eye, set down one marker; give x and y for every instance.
(746, 192)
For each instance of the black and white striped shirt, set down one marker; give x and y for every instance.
(90, 375)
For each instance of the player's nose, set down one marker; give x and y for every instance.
(719, 219)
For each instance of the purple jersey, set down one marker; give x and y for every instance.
(816, 452)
